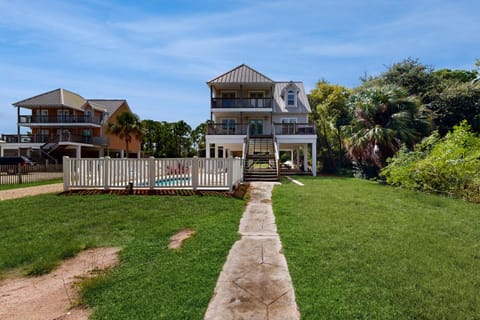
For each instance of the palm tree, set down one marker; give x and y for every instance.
(125, 126)
(385, 117)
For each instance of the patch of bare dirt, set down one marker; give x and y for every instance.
(51, 296)
(177, 239)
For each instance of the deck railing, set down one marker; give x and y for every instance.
(64, 137)
(277, 129)
(20, 174)
(69, 119)
(152, 173)
(230, 103)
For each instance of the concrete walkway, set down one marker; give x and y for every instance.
(255, 282)
(30, 191)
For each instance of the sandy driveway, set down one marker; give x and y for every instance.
(30, 191)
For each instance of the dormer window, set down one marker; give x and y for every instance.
(291, 98)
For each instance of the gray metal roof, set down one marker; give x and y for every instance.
(65, 98)
(55, 98)
(111, 105)
(279, 104)
(241, 74)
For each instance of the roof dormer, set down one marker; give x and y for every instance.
(290, 95)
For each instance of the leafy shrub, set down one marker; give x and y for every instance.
(449, 165)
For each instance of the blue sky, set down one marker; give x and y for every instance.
(159, 54)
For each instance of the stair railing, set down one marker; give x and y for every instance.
(277, 152)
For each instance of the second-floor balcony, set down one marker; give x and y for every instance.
(61, 119)
(249, 129)
(238, 103)
(65, 137)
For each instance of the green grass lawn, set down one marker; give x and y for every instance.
(359, 250)
(151, 282)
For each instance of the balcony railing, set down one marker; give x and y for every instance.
(294, 128)
(279, 129)
(241, 103)
(66, 137)
(27, 119)
(231, 129)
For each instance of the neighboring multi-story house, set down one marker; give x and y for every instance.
(255, 117)
(63, 123)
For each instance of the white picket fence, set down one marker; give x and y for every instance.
(152, 173)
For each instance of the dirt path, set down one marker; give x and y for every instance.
(30, 191)
(51, 296)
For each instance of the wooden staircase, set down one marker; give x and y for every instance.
(260, 162)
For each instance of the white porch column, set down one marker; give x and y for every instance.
(314, 158)
(79, 152)
(216, 150)
(298, 157)
(225, 150)
(305, 157)
(100, 153)
(1, 149)
(207, 150)
(291, 155)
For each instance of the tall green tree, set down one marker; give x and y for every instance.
(126, 126)
(384, 118)
(198, 137)
(329, 103)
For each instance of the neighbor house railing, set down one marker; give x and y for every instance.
(152, 173)
(20, 174)
(64, 137)
(70, 119)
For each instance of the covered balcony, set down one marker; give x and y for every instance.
(278, 129)
(66, 137)
(59, 119)
(241, 103)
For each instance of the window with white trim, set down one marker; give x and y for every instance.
(291, 98)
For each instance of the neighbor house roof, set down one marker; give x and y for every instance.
(111, 105)
(65, 98)
(55, 98)
(241, 74)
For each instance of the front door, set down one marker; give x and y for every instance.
(255, 127)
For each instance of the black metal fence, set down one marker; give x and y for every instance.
(21, 174)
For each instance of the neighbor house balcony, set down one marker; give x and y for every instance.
(63, 138)
(242, 103)
(72, 120)
(278, 129)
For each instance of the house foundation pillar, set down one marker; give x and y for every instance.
(298, 157)
(305, 158)
(314, 159)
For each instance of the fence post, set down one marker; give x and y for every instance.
(19, 173)
(66, 173)
(195, 162)
(151, 173)
(230, 173)
(106, 172)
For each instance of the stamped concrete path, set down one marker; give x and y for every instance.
(255, 282)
